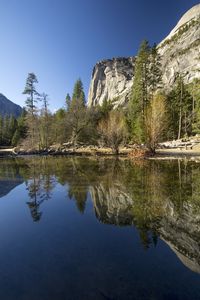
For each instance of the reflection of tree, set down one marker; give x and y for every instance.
(39, 186)
(160, 198)
(77, 180)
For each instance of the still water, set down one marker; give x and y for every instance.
(85, 228)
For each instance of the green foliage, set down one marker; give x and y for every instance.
(194, 90)
(147, 80)
(139, 98)
(11, 130)
(105, 108)
(183, 51)
(78, 96)
(77, 117)
(68, 101)
(31, 91)
(155, 73)
(179, 110)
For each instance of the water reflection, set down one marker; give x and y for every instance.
(160, 199)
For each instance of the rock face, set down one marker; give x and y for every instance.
(9, 108)
(180, 52)
(111, 80)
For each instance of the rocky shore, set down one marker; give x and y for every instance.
(172, 149)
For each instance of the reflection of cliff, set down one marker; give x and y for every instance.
(181, 232)
(158, 198)
(154, 210)
(112, 206)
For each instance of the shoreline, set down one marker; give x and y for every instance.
(98, 151)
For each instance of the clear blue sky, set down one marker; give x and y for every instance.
(61, 40)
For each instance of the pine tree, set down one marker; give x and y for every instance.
(31, 117)
(78, 96)
(31, 91)
(180, 109)
(77, 118)
(68, 101)
(155, 73)
(139, 98)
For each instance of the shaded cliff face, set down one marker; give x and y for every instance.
(8, 108)
(180, 52)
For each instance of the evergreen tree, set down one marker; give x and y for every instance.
(77, 117)
(194, 89)
(78, 96)
(31, 117)
(68, 101)
(139, 98)
(31, 91)
(180, 109)
(155, 73)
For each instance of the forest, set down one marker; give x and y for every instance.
(153, 114)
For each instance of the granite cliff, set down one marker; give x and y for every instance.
(180, 52)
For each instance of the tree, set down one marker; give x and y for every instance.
(68, 101)
(44, 122)
(194, 90)
(155, 121)
(139, 97)
(147, 80)
(31, 117)
(180, 109)
(59, 128)
(21, 130)
(113, 130)
(77, 118)
(155, 73)
(78, 94)
(31, 91)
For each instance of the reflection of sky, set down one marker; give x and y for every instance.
(68, 254)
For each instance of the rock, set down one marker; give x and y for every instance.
(111, 80)
(180, 52)
(8, 108)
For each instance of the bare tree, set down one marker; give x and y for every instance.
(155, 121)
(112, 130)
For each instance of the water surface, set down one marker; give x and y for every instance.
(85, 228)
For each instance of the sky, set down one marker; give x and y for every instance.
(61, 40)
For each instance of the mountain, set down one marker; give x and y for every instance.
(7, 107)
(112, 79)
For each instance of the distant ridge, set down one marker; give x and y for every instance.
(8, 108)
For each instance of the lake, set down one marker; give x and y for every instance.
(99, 228)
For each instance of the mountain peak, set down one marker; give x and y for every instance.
(8, 108)
(192, 14)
